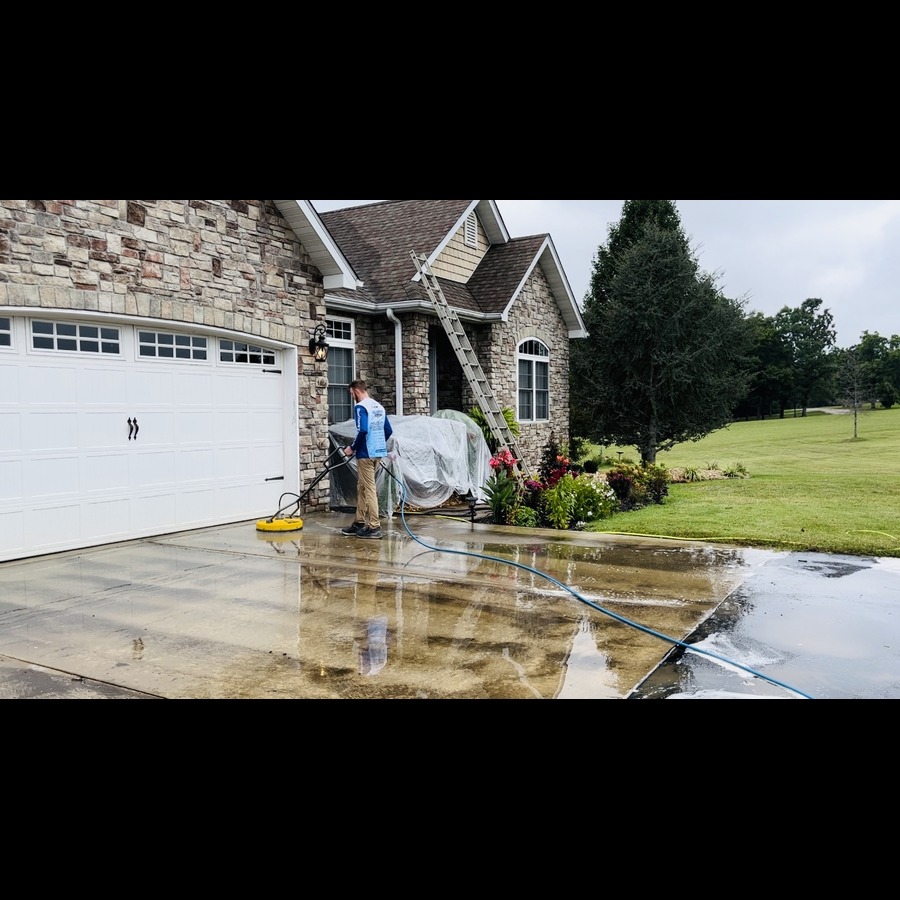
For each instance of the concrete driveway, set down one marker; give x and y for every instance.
(439, 609)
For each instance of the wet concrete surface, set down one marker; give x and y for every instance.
(443, 609)
(828, 625)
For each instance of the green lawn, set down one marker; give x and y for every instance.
(811, 486)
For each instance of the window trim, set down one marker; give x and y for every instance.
(533, 359)
(209, 347)
(335, 328)
(10, 331)
(77, 337)
(268, 356)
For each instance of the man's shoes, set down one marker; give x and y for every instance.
(370, 534)
(354, 529)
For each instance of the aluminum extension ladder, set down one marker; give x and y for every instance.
(474, 373)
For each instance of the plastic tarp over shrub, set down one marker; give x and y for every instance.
(435, 457)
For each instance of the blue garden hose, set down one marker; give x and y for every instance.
(590, 603)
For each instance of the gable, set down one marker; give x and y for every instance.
(319, 244)
(483, 282)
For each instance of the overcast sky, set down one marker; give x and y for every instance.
(770, 253)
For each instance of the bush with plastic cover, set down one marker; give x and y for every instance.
(435, 457)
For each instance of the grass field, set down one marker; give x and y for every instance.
(811, 486)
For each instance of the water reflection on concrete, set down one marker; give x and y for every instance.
(452, 612)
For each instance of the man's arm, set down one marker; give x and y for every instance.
(362, 430)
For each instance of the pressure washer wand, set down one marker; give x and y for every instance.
(328, 470)
(281, 522)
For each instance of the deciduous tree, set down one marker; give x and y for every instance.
(809, 333)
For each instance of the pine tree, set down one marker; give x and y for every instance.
(664, 362)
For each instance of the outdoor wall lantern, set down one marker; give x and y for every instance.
(318, 346)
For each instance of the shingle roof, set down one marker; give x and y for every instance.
(378, 239)
(501, 272)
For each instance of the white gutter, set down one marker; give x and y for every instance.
(398, 358)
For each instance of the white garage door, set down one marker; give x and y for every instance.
(113, 431)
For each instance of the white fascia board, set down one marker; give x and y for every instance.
(559, 284)
(492, 221)
(315, 237)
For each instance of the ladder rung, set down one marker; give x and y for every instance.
(468, 359)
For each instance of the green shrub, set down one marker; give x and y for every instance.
(509, 414)
(656, 478)
(594, 500)
(637, 486)
(525, 517)
(558, 504)
(502, 492)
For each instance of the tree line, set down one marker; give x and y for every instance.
(670, 359)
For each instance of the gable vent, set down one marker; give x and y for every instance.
(472, 231)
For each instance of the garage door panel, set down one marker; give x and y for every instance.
(102, 387)
(12, 532)
(9, 384)
(153, 469)
(45, 385)
(106, 520)
(233, 390)
(52, 476)
(50, 431)
(232, 462)
(149, 388)
(48, 528)
(194, 506)
(10, 433)
(266, 461)
(110, 473)
(264, 392)
(157, 429)
(154, 514)
(192, 466)
(12, 482)
(104, 430)
(232, 427)
(213, 444)
(194, 427)
(234, 499)
(265, 424)
(194, 390)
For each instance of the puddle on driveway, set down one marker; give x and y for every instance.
(456, 612)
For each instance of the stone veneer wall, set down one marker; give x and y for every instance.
(535, 315)
(229, 264)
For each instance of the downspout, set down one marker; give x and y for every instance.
(398, 358)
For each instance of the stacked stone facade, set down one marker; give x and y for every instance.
(236, 265)
(535, 316)
(225, 264)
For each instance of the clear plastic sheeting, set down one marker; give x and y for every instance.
(435, 457)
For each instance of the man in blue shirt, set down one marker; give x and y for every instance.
(373, 431)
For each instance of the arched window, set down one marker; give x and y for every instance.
(534, 382)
